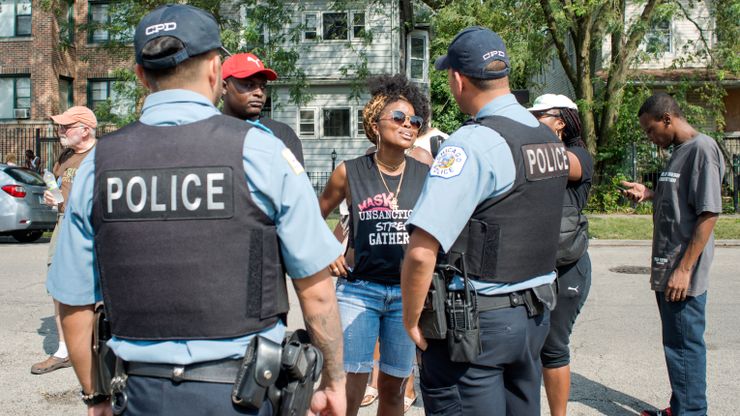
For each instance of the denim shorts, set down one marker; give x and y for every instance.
(372, 311)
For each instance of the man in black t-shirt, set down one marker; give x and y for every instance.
(244, 95)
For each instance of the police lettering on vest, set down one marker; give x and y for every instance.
(545, 160)
(181, 193)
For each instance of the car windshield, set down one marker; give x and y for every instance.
(25, 176)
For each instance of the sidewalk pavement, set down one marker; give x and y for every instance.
(618, 366)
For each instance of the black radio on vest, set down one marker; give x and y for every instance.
(514, 237)
(160, 227)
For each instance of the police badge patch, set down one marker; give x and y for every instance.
(449, 162)
(292, 161)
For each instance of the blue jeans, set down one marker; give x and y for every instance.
(370, 311)
(685, 353)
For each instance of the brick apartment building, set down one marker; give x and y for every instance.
(48, 63)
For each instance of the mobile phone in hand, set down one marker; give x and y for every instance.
(622, 187)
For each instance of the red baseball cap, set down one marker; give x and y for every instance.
(245, 65)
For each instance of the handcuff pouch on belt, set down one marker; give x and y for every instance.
(105, 360)
(285, 374)
(259, 371)
(452, 314)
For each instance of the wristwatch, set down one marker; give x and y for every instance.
(93, 398)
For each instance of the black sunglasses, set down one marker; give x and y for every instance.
(399, 117)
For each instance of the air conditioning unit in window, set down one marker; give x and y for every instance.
(21, 113)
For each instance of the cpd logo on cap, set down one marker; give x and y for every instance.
(160, 27)
(492, 54)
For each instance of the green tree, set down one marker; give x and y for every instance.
(577, 30)
(264, 27)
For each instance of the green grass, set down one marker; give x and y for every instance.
(332, 222)
(621, 227)
(640, 227)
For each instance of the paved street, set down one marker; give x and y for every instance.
(618, 363)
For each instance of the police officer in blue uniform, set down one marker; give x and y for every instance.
(185, 223)
(493, 197)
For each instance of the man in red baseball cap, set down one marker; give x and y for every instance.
(244, 94)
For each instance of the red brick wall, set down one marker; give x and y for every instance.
(42, 56)
(732, 110)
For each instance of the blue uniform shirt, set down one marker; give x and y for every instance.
(278, 186)
(473, 165)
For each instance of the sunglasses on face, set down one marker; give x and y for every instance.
(63, 129)
(545, 115)
(399, 117)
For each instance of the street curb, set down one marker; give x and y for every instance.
(647, 243)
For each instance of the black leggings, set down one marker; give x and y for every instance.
(574, 282)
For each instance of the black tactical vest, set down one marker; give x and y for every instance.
(514, 237)
(183, 251)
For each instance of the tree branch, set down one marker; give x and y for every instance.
(559, 43)
(436, 4)
(702, 36)
(638, 30)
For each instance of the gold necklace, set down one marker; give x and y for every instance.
(394, 198)
(391, 168)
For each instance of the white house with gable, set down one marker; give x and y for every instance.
(331, 49)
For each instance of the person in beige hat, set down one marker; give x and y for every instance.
(76, 128)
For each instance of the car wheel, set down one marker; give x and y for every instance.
(27, 236)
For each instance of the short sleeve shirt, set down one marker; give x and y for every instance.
(577, 191)
(474, 164)
(286, 134)
(689, 186)
(279, 187)
(66, 172)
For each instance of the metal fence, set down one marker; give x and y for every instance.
(646, 168)
(43, 140)
(318, 180)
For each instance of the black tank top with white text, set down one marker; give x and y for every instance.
(378, 232)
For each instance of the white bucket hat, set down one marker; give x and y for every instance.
(548, 101)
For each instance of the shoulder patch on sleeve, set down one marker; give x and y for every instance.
(449, 162)
(292, 161)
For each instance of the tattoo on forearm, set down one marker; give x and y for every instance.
(326, 335)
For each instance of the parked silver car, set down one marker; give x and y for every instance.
(23, 213)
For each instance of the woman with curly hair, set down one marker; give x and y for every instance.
(560, 114)
(381, 189)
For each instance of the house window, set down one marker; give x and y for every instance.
(360, 126)
(307, 123)
(100, 91)
(418, 56)
(358, 24)
(99, 15)
(66, 94)
(255, 32)
(336, 122)
(310, 26)
(68, 31)
(335, 26)
(658, 38)
(15, 18)
(267, 108)
(15, 93)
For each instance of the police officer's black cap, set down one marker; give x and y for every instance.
(195, 28)
(472, 50)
